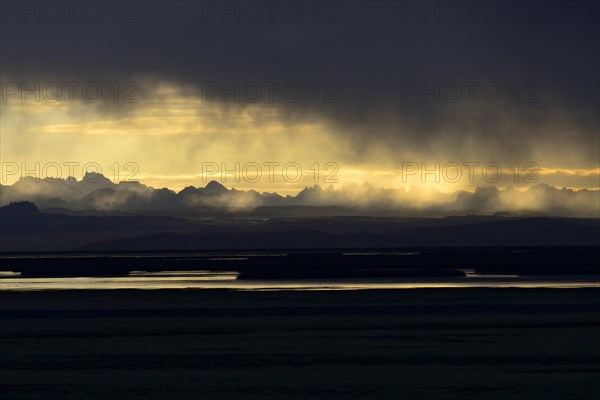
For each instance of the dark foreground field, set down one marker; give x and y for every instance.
(404, 344)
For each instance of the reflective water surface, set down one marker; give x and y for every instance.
(228, 280)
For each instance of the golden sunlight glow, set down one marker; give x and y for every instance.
(171, 135)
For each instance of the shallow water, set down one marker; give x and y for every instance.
(228, 280)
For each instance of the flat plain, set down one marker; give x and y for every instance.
(372, 344)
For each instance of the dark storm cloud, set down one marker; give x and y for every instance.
(379, 54)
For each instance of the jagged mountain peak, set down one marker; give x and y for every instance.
(214, 187)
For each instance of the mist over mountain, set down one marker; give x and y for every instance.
(95, 192)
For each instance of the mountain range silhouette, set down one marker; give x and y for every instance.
(97, 194)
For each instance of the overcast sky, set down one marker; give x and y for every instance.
(370, 86)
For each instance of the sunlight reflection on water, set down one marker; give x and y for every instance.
(228, 280)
